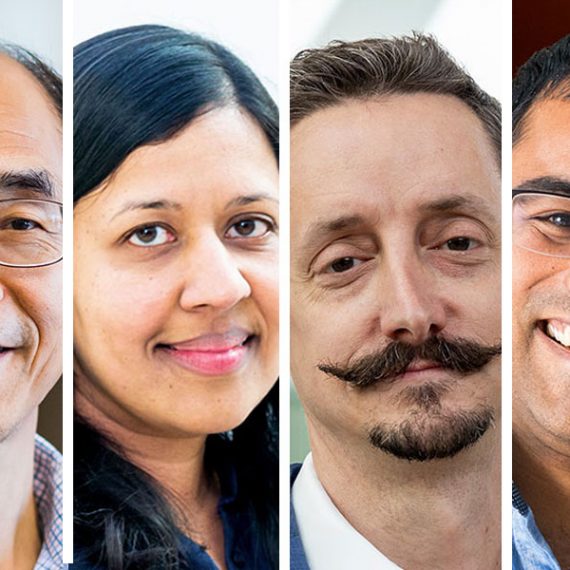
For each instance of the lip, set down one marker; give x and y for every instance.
(420, 370)
(212, 354)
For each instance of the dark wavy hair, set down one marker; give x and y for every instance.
(133, 87)
(546, 75)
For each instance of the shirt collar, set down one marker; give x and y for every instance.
(329, 540)
(518, 502)
(530, 549)
(48, 496)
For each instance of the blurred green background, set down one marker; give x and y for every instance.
(299, 437)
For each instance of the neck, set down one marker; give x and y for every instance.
(541, 470)
(20, 542)
(177, 463)
(417, 514)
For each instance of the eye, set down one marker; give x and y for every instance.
(343, 264)
(20, 224)
(249, 228)
(559, 219)
(459, 243)
(150, 236)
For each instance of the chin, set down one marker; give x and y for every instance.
(432, 435)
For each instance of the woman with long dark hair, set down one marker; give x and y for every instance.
(175, 305)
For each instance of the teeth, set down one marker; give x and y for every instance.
(559, 333)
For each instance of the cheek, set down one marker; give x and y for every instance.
(523, 276)
(41, 297)
(118, 305)
(263, 278)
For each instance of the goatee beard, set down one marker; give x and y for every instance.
(428, 430)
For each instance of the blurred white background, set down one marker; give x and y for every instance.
(35, 25)
(471, 31)
(249, 28)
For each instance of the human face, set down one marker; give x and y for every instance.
(541, 287)
(30, 302)
(395, 205)
(176, 285)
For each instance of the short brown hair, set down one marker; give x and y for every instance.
(374, 67)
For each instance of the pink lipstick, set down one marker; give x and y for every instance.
(212, 354)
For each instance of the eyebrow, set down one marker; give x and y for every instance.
(440, 206)
(553, 184)
(147, 205)
(250, 199)
(332, 226)
(37, 181)
(452, 204)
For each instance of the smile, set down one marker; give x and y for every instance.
(558, 331)
(211, 355)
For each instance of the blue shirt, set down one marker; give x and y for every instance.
(241, 541)
(530, 550)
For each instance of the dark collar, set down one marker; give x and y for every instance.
(298, 557)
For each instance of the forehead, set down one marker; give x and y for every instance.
(390, 151)
(220, 153)
(544, 148)
(30, 129)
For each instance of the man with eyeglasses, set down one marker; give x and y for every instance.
(30, 307)
(541, 310)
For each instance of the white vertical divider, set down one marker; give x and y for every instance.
(67, 47)
(506, 297)
(284, 286)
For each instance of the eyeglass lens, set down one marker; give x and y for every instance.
(541, 223)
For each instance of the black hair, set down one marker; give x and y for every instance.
(546, 75)
(142, 85)
(49, 79)
(133, 87)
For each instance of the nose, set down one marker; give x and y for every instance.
(213, 278)
(412, 304)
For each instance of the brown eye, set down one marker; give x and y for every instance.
(21, 224)
(460, 243)
(343, 264)
(150, 236)
(249, 228)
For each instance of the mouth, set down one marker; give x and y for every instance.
(419, 369)
(558, 331)
(212, 354)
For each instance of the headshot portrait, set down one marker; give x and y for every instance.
(395, 308)
(541, 273)
(30, 306)
(176, 223)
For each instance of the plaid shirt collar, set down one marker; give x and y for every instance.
(48, 495)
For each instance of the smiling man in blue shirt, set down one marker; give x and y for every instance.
(541, 310)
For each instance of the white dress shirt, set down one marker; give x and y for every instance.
(329, 540)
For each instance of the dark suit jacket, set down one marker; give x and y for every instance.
(298, 558)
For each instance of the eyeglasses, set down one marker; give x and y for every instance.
(30, 232)
(541, 222)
